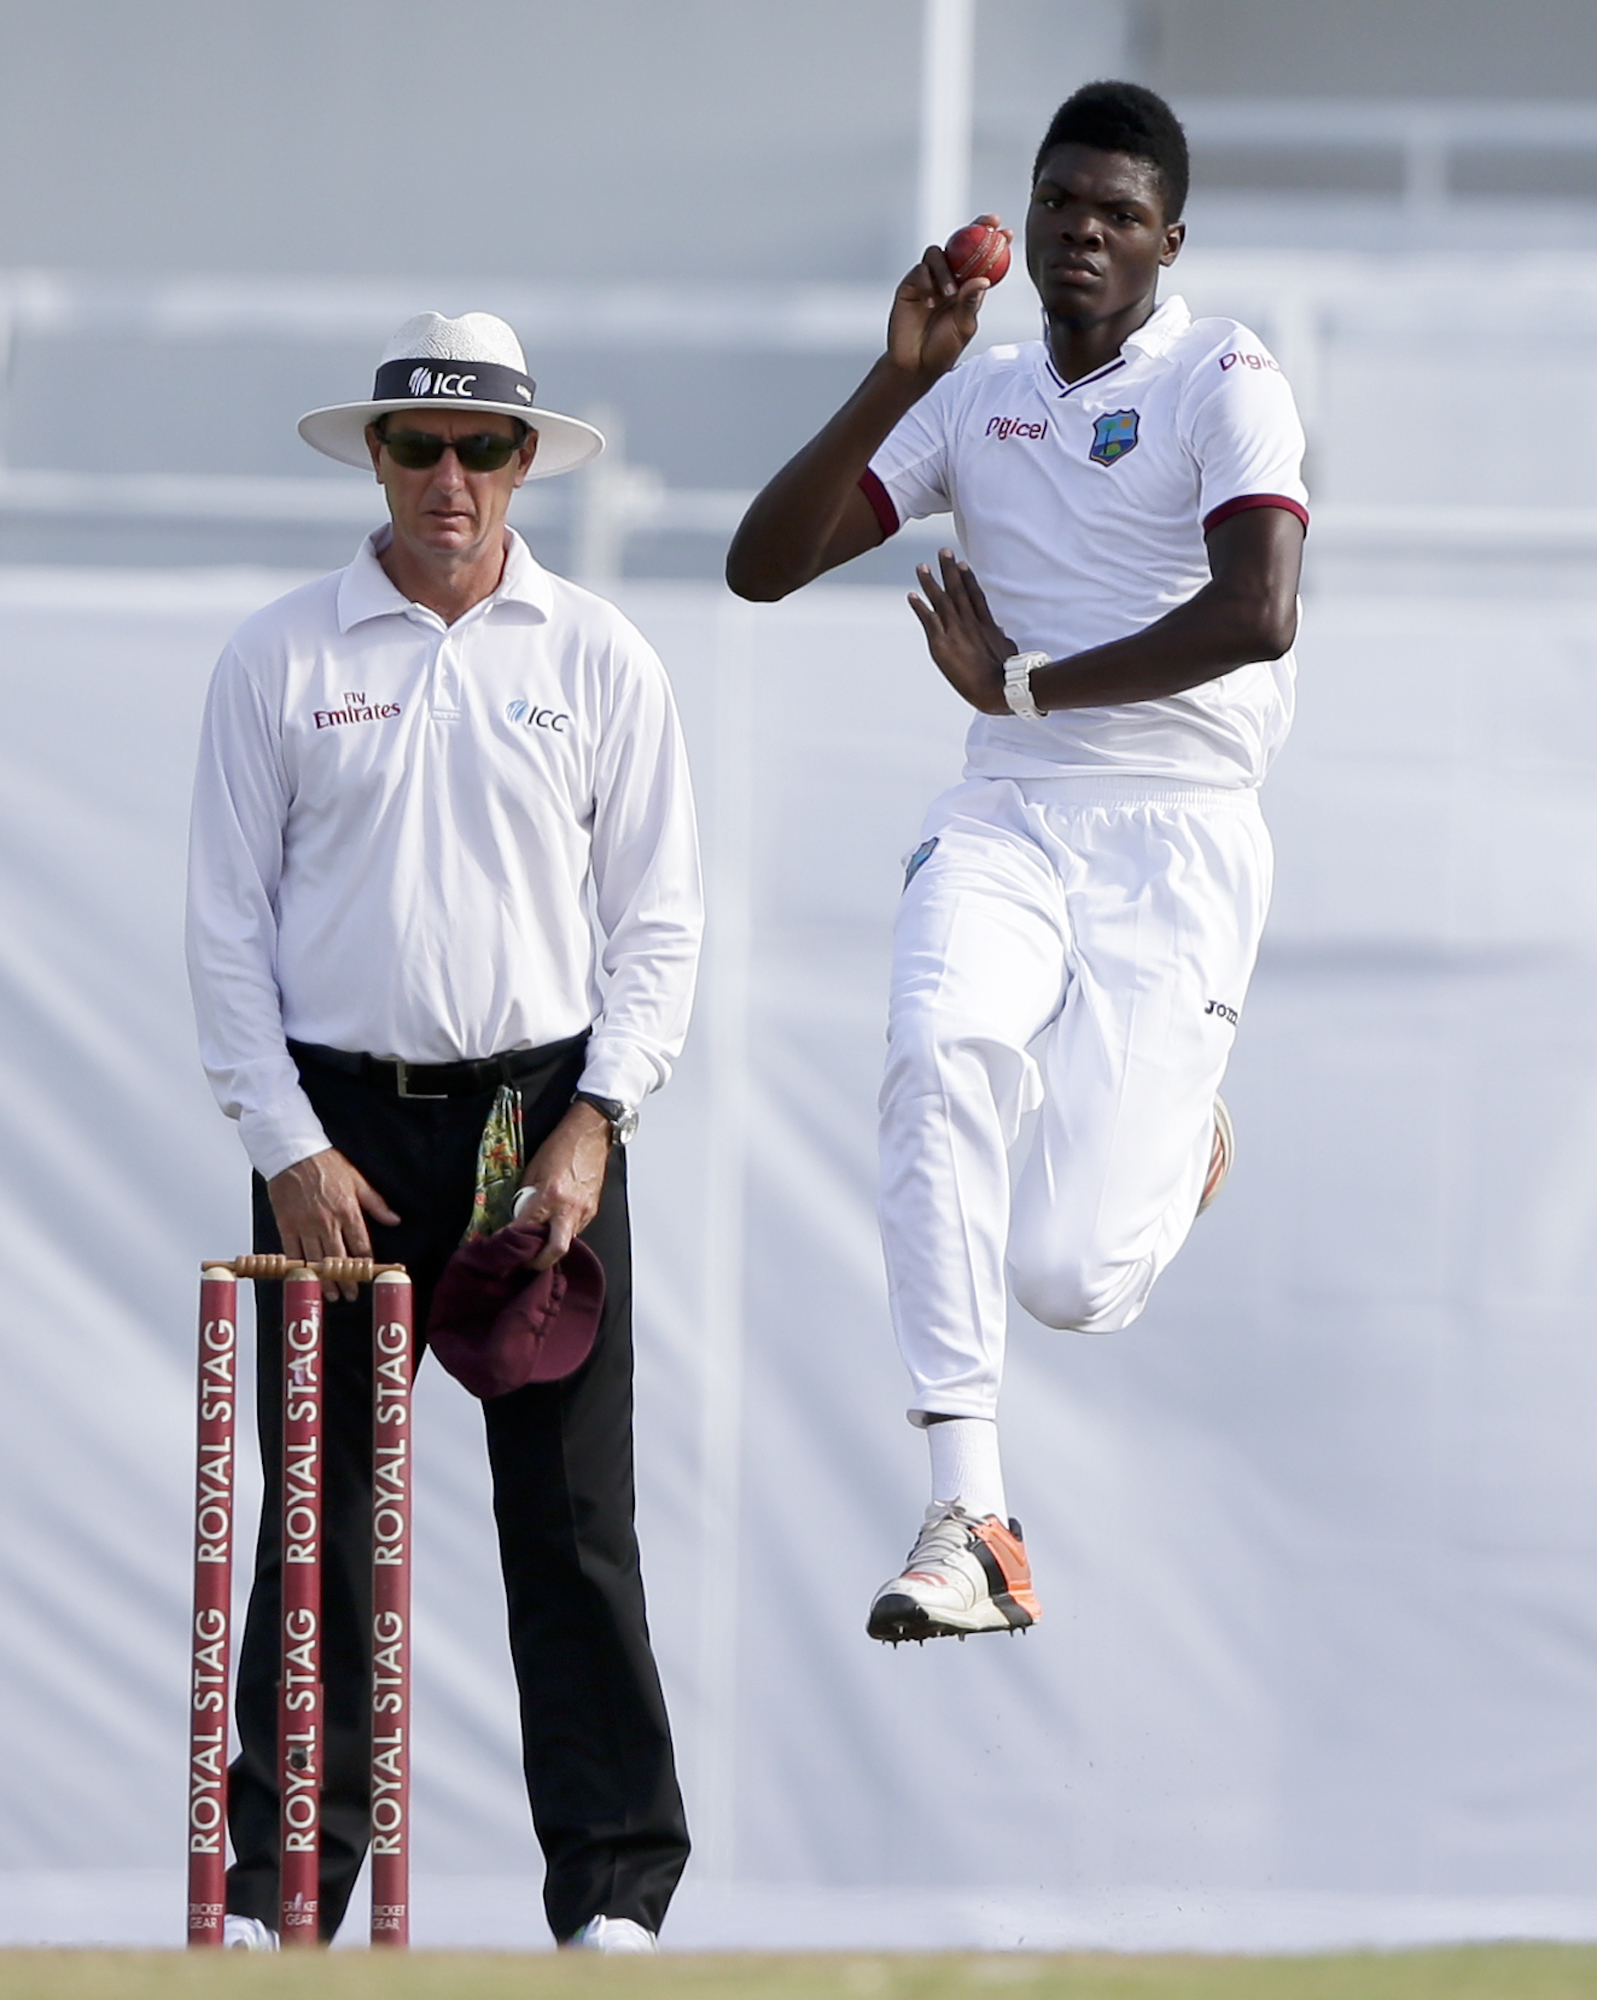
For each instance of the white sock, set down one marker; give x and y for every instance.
(966, 1466)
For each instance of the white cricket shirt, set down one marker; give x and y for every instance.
(437, 842)
(1082, 509)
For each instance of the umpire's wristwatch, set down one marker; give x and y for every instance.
(623, 1119)
(1017, 684)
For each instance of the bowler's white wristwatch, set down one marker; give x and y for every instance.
(1017, 684)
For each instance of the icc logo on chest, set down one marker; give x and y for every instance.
(532, 717)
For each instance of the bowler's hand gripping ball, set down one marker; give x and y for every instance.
(977, 251)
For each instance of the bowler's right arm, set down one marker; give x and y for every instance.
(814, 514)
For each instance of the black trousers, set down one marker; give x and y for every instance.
(595, 1740)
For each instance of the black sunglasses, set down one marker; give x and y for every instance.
(482, 451)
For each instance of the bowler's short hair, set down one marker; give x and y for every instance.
(1125, 118)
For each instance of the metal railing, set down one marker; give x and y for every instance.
(1297, 301)
(1429, 135)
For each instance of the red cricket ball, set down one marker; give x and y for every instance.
(977, 251)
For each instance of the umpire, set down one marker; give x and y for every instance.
(444, 910)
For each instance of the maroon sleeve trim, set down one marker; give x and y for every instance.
(881, 502)
(1241, 505)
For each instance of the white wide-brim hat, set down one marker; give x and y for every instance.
(471, 363)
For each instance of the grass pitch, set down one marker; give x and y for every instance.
(1488, 1972)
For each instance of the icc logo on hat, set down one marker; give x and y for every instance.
(1113, 436)
(442, 382)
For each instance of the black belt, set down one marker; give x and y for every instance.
(438, 1080)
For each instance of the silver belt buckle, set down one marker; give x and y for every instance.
(402, 1086)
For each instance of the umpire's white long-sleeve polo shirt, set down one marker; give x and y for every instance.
(437, 842)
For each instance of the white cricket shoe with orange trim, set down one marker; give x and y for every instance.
(964, 1575)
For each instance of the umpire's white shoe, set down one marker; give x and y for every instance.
(964, 1574)
(247, 1934)
(613, 1934)
(1221, 1154)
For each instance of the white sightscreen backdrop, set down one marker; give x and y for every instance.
(1315, 1539)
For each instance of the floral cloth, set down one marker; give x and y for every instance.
(499, 1165)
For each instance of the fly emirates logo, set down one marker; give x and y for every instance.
(356, 709)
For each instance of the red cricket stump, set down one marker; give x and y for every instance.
(213, 1605)
(299, 1714)
(300, 1698)
(392, 1365)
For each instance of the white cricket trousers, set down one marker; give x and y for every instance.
(1080, 947)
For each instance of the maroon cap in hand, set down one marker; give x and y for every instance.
(497, 1324)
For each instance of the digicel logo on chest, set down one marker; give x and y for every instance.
(1008, 427)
